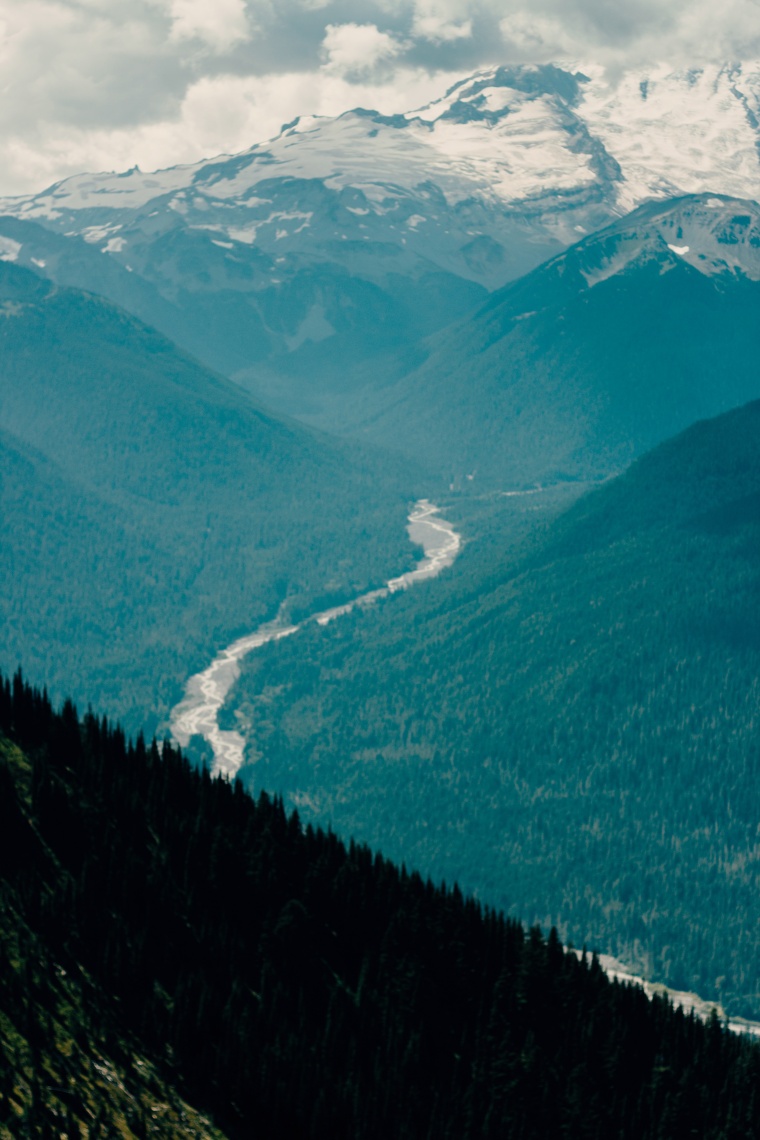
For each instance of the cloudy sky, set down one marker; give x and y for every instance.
(105, 84)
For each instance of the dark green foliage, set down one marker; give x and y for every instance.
(568, 727)
(299, 988)
(68, 1064)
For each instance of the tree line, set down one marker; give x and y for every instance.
(291, 984)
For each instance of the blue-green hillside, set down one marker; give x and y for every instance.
(572, 371)
(150, 511)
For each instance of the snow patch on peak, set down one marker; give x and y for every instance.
(130, 190)
(691, 134)
(626, 253)
(9, 249)
(714, 236)
(95, 234)
(542, 152)
(246, 235)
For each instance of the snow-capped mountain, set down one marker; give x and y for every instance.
(717, 235)
(538, 140)
(508, 145)
(344, 237)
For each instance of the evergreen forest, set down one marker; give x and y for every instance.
(180, 959)
(566, 722)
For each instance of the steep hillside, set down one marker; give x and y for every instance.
(291, 986)
(568, 727)
(613, 346)
(150, 510)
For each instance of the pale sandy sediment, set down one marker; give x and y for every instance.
(205, 693)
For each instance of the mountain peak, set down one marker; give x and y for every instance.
(522, 137)
(714, 234)
(528, 79)
(512, 166)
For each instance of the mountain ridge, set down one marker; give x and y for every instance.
(603, 351)
(343, 237)
(490, 98)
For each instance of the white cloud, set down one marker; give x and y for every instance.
(220, 24)
(682, 32)
(63, 62)
(223, 114)
(88, 84)
(440, 31)
(358, 51)
(538, 37)
(442, 21)
(730, 30)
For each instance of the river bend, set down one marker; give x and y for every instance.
(197, 714)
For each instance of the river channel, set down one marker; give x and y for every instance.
(197, 714)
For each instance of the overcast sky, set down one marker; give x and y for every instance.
(105, 84)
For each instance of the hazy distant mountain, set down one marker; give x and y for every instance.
(343, 238)
(149, 511)
(570, 372)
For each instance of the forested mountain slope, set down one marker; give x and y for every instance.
(188, 941)
(569, 728)
(268, 309)
(150, 511)
(601, 353)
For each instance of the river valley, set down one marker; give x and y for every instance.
(205, 693)
(196, 715)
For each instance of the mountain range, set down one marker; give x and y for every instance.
(221, 387)
(342, 239)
